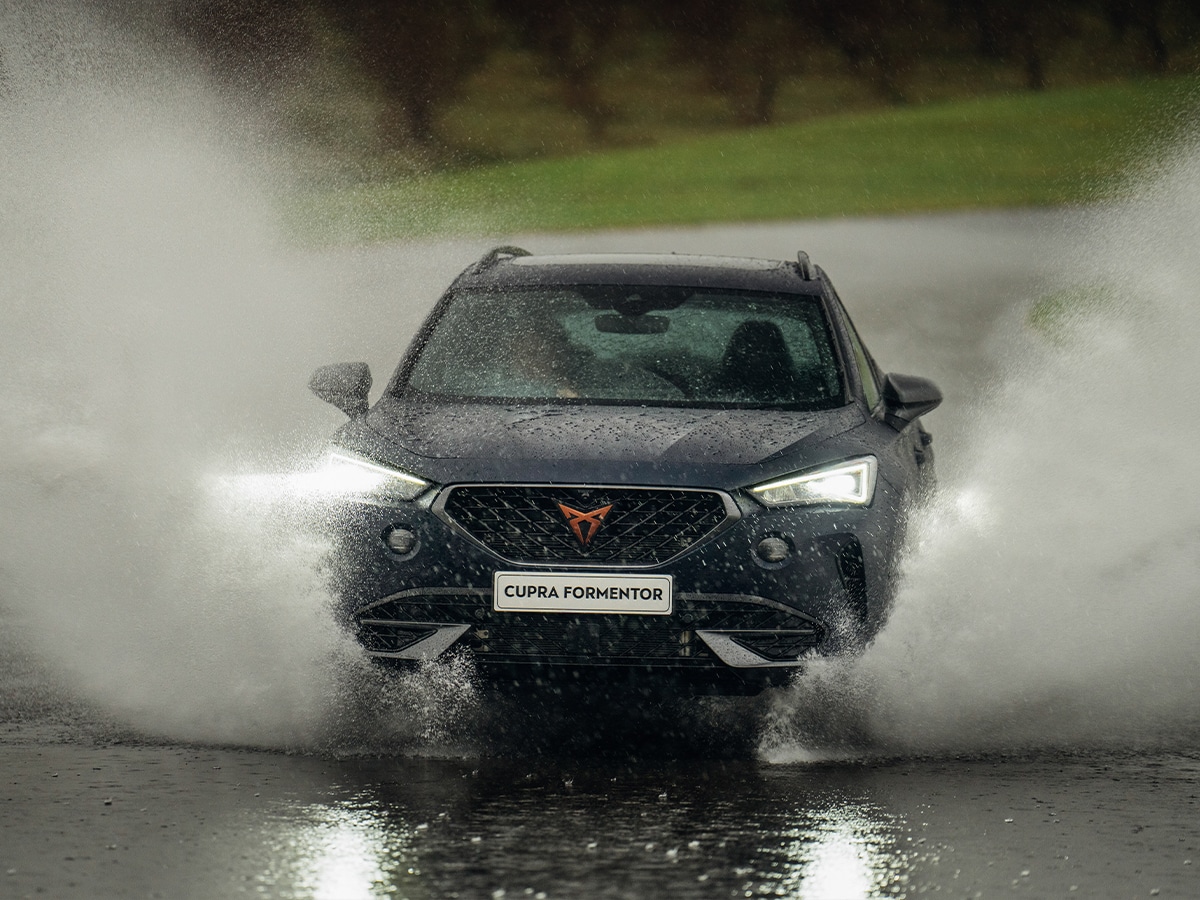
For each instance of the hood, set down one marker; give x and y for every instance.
(613, 434)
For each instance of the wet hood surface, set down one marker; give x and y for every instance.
(600, 433)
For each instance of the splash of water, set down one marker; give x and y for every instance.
(153, 329)
(1052, 597)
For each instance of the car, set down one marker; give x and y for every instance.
(677, 471)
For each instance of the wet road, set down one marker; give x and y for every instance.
(600, 805)
(144, 821)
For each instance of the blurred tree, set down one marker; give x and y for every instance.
(1144, 16)
(972, 17)
(746, 48)
(1157, 23)
(419, 52)
(875, 36)
(571, 40)
(1029, 31)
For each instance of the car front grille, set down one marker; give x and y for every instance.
(610, 526)
(590, 639)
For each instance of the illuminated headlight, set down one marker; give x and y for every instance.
(851, 482)
(343, 474)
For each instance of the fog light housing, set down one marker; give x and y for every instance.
(400, 540)
(773, 549)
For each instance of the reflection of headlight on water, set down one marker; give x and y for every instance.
(839, 867)
(339, 476)
(839, 856)
(340, 853)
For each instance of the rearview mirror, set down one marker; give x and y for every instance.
(611, 324)
(345, 385)
(907, 397)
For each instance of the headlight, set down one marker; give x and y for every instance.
(851, 482)
(343, 474)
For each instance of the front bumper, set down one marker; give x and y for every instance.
(734, 613)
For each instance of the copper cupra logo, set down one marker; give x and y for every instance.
(585, 524)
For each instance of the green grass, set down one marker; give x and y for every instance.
(1054, 315)
(1027, 149)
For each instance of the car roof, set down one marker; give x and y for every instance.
(510, 266)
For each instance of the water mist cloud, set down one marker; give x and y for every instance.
(152, 325)
(1052, 597)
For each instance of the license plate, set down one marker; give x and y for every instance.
(640, 595)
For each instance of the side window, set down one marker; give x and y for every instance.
(866, 371)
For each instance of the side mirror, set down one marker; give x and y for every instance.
(345, 385)
(907, 397)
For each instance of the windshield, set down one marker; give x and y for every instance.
(606, 344)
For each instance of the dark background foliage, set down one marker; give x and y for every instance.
(419, 56)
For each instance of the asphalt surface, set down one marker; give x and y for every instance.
(138, 821)
(603, 801)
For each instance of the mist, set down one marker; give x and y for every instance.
(1052, 593)
(157, 329)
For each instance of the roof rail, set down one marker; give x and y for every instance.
(804, 266)
(495, 255)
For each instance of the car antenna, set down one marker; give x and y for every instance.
(803, 265)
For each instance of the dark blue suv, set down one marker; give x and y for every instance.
(662, 468)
